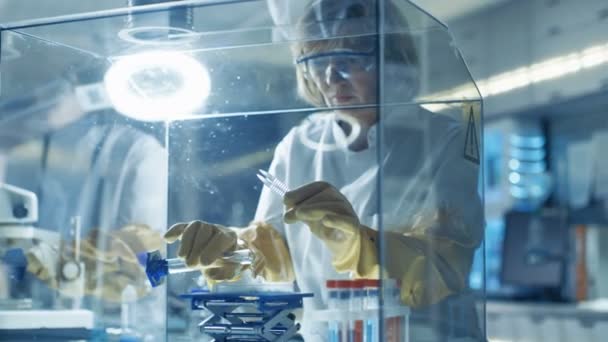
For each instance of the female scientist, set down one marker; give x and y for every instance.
(431, 211)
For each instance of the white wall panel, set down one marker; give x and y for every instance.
(509, 43)
(473, 41)
(522, 33)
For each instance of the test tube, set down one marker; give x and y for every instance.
(76, 223)
(392, 324)
(332, 304)
(241, 256)
(371, 302)
(343, 287)
(128, 299)
(403, 319)
(157, 268)
(356, 305)
(339, 302)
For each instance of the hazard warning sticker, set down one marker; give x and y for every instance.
(471, 143)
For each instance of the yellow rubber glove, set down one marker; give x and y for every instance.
(204, 244)
(110, 261)
(273, 261)
(332, 219)
(432, 258)
(429, 267)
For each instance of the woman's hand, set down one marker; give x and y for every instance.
(203, 245)
(330, 217)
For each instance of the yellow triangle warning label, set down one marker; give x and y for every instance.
(471, 143)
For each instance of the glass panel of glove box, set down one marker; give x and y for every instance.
(272, 170)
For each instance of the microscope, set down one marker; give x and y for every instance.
(21, 315)
(18, 216)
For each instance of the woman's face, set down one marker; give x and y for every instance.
(346, 78)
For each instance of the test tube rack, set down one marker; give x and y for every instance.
(249, 316)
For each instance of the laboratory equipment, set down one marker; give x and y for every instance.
(338, 300)
(249, 316)
(356, 304)
(20, 311)
(272, 182)
(19, 214)
(371, 288)
(536, 254)
(352, 314)
(158, 268)
(18, 230)
(46, 325)
(128, 314)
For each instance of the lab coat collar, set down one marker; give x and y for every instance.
(342, 138)
(372, 132)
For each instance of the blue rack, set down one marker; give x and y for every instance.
(251, 316)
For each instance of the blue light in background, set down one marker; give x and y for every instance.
(494, 173)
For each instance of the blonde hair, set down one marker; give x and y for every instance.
(399, 45)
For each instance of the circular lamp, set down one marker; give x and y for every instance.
(157, 86)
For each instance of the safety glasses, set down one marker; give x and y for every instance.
(344, 63)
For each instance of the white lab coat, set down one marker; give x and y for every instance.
(108, 174)
(423, 168)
